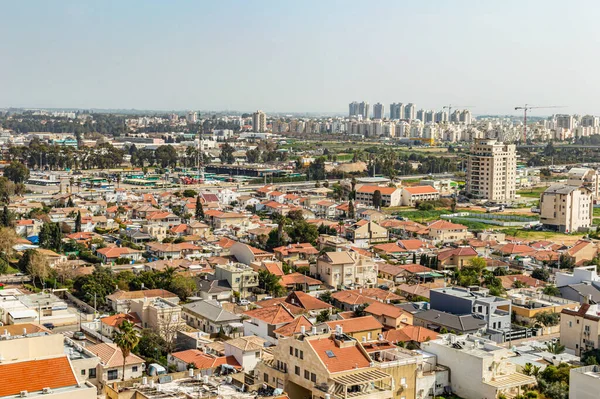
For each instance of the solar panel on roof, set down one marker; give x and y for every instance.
(330, 354)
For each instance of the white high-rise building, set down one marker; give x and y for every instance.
(564, 122)
(378, 111)
(191, 117)
(259, 122)
(421, 115)
(441, 117)
(410, 111)
(492, 170)
(466, 117)
(429, 117)
(589, 121)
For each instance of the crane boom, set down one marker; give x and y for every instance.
(526, 108)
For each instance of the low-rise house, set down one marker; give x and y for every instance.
(263, 322)
(456, 258)
(110, 324)
(366, 328)
(364, 233)
(389, 316)
(241, 278)
(54, 259)
(307, 302)
(160, 315)
(217, 290)
(300, 282)
(247, 351)
(346, 269)
(409, 333)
(580, 328)
(412, 195)
(527, 303)
(210, 317)
(120, 301)
(444, 231)
(112, 254)
(582, 251)
(110, 368)
(206, 364)
(293, 252)
(439, 321)
(480, 368)
(248, 254)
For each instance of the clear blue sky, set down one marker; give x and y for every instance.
(300, 55)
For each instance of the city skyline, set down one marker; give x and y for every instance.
(112, 55)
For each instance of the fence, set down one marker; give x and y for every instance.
(493, 218)
(80, 304)
(92, 329)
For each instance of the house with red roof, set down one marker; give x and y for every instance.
(415, 334)
(300, 282)
(292, 252)
(367, 327)
(248, 254)
(456, 257)
(390, 316)
(110, 255)
(412, 195)
(582, 251)
(262, 322)
(207, 364)
(445, 231)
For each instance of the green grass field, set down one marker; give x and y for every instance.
(596, 211)
(533, 192)
(539, 235)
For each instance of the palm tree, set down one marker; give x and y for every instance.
(126, 338)
(555, 348)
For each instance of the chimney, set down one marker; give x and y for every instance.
(302, 330)
(314, 330)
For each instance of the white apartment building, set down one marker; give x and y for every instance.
(492, 170)
(566, 208)
(480, 368)
(346, 269)
(584, 382)
(259, 122)
(390, 196)
(410, 111)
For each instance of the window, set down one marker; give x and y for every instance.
(296, 352)
(313, 377)
(257, 354)
(306, 374)
(291, 351)
(83, 372)
(402, 381)
(302, 355)
(266, 378)
(92, 373)
(134, 369)
(113, 374)
(297, 370)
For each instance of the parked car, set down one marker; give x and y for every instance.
(244, 302)
(79, 335)
(49, 326)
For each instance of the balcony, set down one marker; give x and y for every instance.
(366, 384)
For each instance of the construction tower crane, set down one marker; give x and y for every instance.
(526, 108)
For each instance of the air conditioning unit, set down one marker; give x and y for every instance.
(23, 394)
(46, 390)
(404, 386)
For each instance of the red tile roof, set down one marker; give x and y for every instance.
(344, 359)
(298, 278)
(371, 189)
(275, 314)
(445, 225)
(35, 375)
(203, 361)
(410, 333)
(306, 301)
(356, 324)
(294, 327)
(118, 319)
(421, 190)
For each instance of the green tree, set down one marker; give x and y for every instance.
(227, 154)
(189, 193)
(199, 209)
(270, 283)
(166, 156)
(377, 199)
(126, 338)
(551, 290)
(78, 222)
(323, 316)
(326, 297)
(547, 319)
(16, 172)
(360, 310)
(351, 210)
(555, 348)
(540, 274)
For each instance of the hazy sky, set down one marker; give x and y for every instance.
(300, 55)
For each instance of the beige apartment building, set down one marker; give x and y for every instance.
(160, 315)
(585, 177)
(492, 170)
(566, 208)
(390, 196)
(580, 329)
(346, 269)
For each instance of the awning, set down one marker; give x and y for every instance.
(511, 381)
(361, 377)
